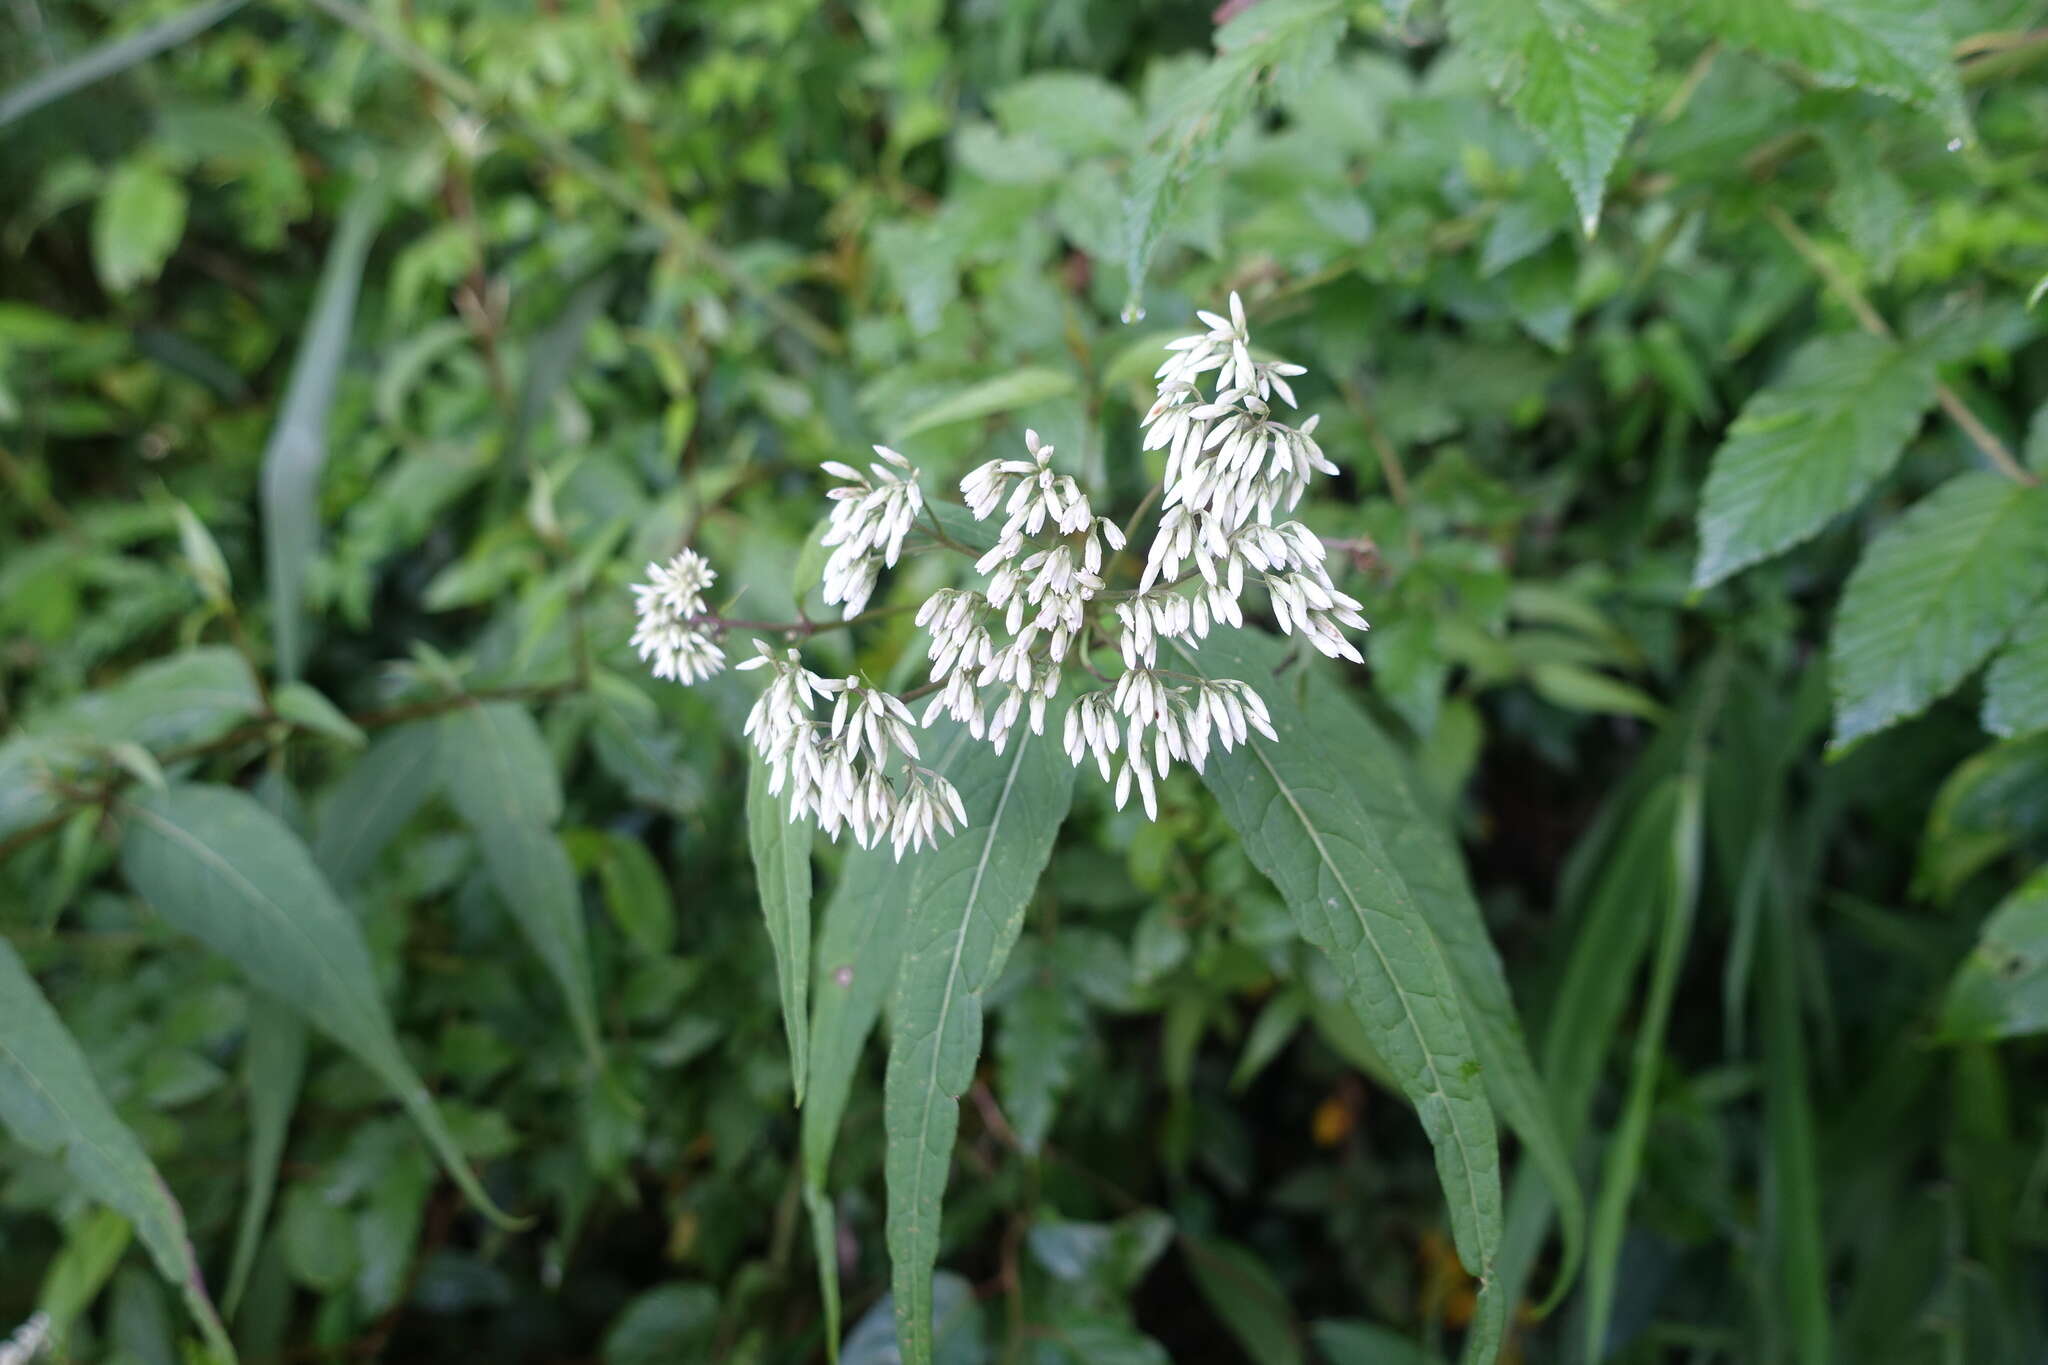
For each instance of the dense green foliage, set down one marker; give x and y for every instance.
(1640, 959)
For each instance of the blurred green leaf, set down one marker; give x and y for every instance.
(111, 57)
(218, 866)
(2001, 989)
(1248, 1300)
(50, 1102)
(137, 224)
(1004, 393)
(2016, 688)
(305, 707)
(273, 1065)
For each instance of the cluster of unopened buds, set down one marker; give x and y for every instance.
(844, 751)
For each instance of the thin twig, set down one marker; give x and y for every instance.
(1873, 322)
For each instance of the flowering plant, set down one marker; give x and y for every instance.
(1044, 603)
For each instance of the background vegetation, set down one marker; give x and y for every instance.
(355, 356)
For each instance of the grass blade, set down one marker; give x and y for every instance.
(111, 58)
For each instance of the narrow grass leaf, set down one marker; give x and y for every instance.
(297, 449)
(111, 58)
(273, 1066)
(1792, 1234)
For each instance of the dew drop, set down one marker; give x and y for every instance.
(1955, 144)
(1133, 312)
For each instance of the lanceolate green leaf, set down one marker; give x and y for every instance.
(297, 449)
(970, 899)
(218, 866)
(1794, 1241)
(1933, 596)
(782, 878)
(859, 946)
(1679, 892)
(111, 57)
(498, 773)
(50, 1102)
(1302, 828)
(2016, 688)
(1808, 447)
(2001, 990)
(1574, 72)
(1379, 779)
(1894, 47)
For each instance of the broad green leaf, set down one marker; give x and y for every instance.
(500, 777)
(1678, 890)
(1077, 112)
(2001, 990)
(2016, 688)
(297, 449)
(136, 224)
(635, 890)
(782, 879)
(1808, 447)
(969, 905)
(1247, 1298)
(376, 796)
(1004, 393)
(218, 866)
(1364, 1343)
(1932, 597)
(1422, 849)
(113, 56)
(956, 1329)
(1899, 48)
(273, 1065)
(1302, 828)
(669, 1323)
(318, 1237)
(1279, 43)
(1574, 72)
(50, 1102)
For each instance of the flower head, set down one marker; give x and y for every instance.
(669, 633)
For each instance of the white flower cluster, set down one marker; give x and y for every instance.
(838, 770)
(1230, 465)
(866, 529)
(999, 650)
(670, 607)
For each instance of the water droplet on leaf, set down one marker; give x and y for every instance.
(1955, 144)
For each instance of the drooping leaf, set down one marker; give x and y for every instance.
(2001, 989)
(297, 449)
(1574, 72)
(273, 1064)
(2016, 688)
(1808, 447)
(1005, 393)
(782, 879)
(1932, 597)
(1247, 1298)
(1304, 830)
(1678, 890)
(1278, 43)
(115, 55)
(970, 897)
(497, 772)
(218, 866)
(1380, 780)
(1899, 48)
(50, 1102)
